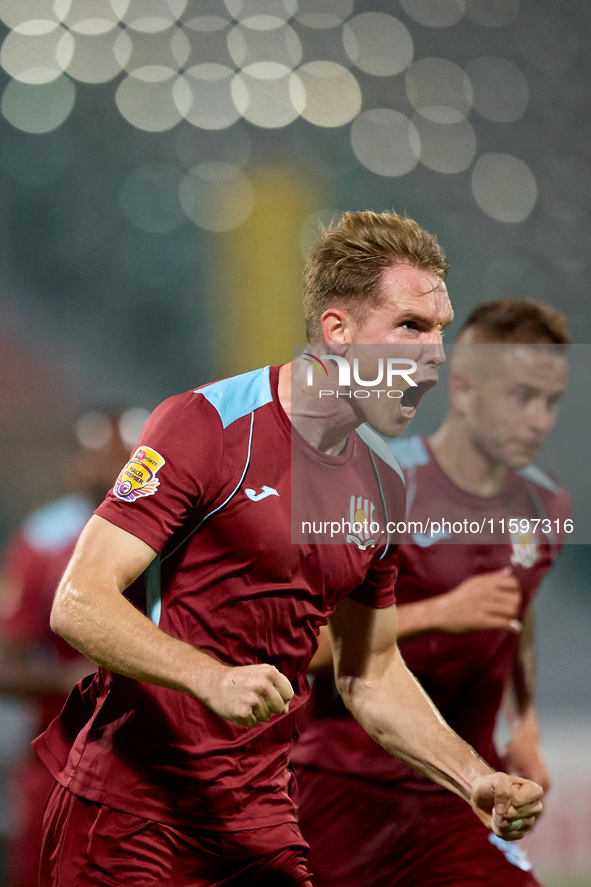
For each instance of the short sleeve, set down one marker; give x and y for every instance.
(378, 588)
(173, 472)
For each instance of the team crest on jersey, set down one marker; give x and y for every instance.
(526, 550)
(361, 520)
(138, 478)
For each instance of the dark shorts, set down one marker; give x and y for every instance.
(88, 844)
(372, 834)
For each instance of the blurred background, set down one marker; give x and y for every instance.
(164, 167)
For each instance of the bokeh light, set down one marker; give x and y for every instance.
(15, 12)
(331, 95)
(263, 95)
(264, 39)
(39, 108)
(439, 90)
(204, 96)
(131, 423)
(269, 62)
(378, 44)
(37, 53)
(89, 17)
(446, 147)
(150, 16)
(100, 58)
(322, 14)
(500, 90)
(217, 196)
(145, 98)
(385, 142)
(435, 13)
(94, 430)
(179, 61)
(504, 187)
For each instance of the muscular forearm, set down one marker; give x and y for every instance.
(389, 703)
(409, 726)
(92, 614)
(101, 623)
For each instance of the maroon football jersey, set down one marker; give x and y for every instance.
(464, 674)
(209, 488)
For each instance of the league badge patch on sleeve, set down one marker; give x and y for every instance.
(138, 478)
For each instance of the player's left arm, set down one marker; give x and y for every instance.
(389, 703)
(524, 752)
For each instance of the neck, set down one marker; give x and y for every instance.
(325, 424)
(464, 463)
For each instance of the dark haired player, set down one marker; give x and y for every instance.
(465, 624)
(171, 766)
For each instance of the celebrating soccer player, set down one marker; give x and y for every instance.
(171, 765)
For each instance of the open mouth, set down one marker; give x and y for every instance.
(412, 396)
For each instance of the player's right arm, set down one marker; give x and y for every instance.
(92, 614)
(485, 601)
(381, 693)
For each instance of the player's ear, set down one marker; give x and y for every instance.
(461, 392)
(337, 327)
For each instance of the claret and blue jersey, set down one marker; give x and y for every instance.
(227, 579)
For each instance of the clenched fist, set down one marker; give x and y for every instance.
(508, 805)
(247, 694)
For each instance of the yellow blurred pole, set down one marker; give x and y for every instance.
(257, 274)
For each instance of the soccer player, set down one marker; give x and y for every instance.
(36, 664)
(171, 765)
(465, 623)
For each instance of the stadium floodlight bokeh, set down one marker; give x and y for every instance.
(212, 64)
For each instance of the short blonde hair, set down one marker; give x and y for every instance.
(346, 266)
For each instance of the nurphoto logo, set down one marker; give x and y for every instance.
(386, 371)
